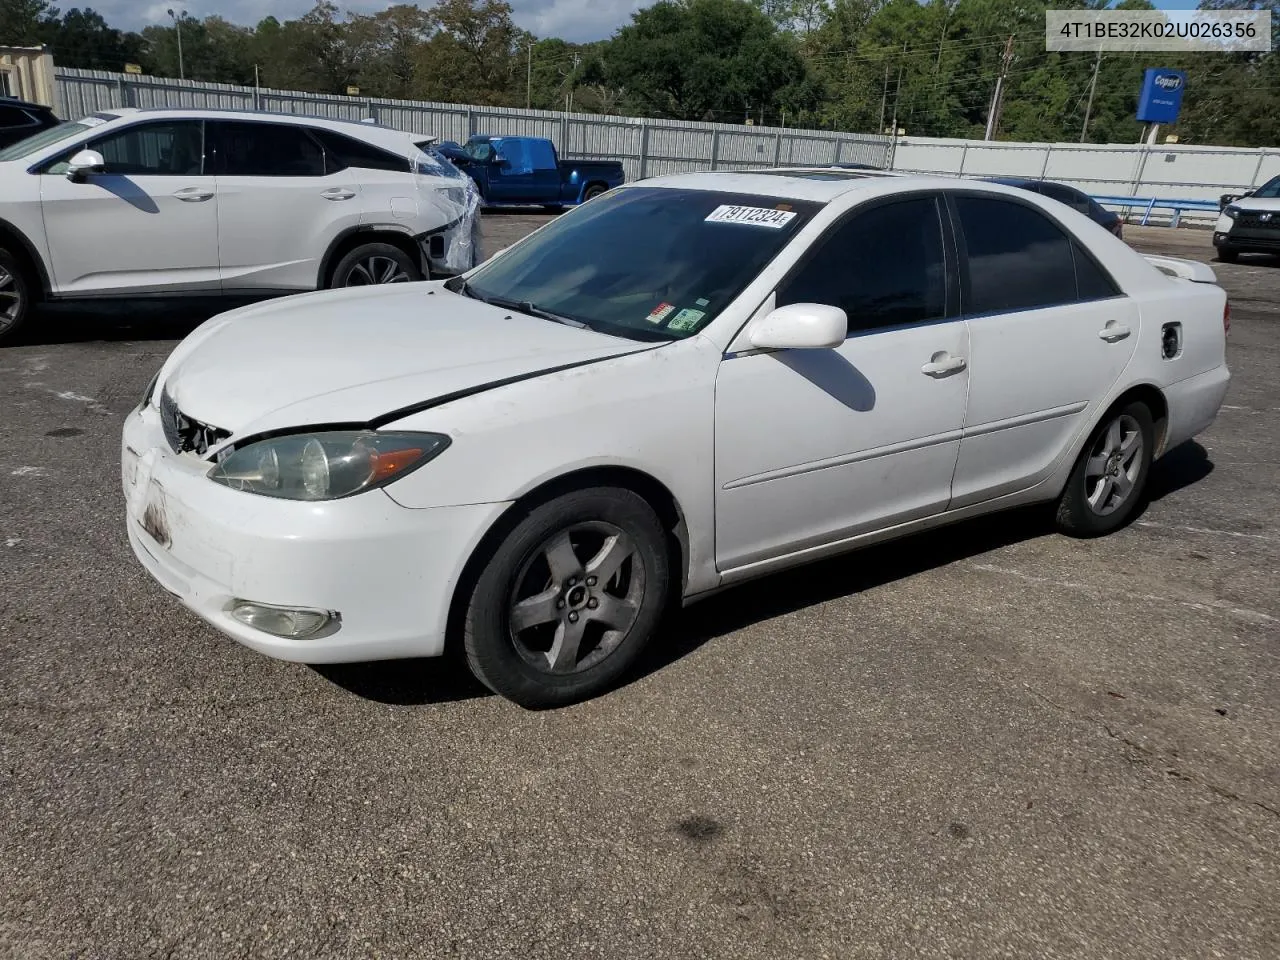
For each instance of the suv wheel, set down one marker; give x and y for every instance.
(375, 263)
(1228, 255)
(15, 294)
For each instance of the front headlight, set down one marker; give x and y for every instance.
(1231, 211)
(326, 466)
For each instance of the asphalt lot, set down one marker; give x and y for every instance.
(989, 741)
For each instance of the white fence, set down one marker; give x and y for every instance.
(649, 148)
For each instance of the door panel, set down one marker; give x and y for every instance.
(1049, 336)
(813, 446)
(279, 209)
(148, 224)
(816, 445)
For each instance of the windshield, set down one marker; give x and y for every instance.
(645, 262)
(1269, 190)
(37, 141)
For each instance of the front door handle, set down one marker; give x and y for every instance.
(338, 193)
(942, 364)
(1114, 332)
(194, 194)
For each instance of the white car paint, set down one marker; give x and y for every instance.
(126, 234)
(766, 467)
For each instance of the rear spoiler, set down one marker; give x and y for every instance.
(1192, 270)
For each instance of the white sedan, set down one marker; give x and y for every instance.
(690, 382)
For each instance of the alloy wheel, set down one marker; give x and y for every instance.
(375, 270)
(11, 300)
(1114, 467)
(576, 598)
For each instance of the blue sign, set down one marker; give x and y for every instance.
(1161, 98)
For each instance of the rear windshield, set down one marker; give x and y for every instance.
(646, 262)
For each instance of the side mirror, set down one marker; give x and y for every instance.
(84, 163)
(801, 326)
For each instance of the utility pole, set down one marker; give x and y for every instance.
(528, 90)
(997, 98)
(884, 97)
(177, 25)
(897, 91)
(1088, 109)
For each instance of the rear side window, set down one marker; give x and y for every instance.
(884, 267)
(13, 117)
(1092, 282)
(1018, 259)
(342, 152)
(247, 149)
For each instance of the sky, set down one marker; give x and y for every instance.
(575, 20)
(578, 21)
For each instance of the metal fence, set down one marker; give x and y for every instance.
(1165, 171)
(647, 148)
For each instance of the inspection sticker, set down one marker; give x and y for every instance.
(92, 122)
(660, 312)
(685, 320)
(755, 216)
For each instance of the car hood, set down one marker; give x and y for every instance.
(357, 355)
(1257, 203)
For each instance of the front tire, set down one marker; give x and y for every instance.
(16, 295)
(569, 599)
(373, 264)
(1228, 254)
(1108, 481)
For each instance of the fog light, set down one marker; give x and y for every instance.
(297, 623)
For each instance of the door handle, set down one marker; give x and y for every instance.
(1113, 333)
(942, 364)
(338, 193)
(194, 194)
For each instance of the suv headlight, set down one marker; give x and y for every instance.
(327, 465)
(1231, 211)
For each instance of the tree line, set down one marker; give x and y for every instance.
(857, 65)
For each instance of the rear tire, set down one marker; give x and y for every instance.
(1108, 481)
(569, 599)
(373, 264)
(17, 295)
(593, 191)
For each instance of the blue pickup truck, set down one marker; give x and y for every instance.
(527, 170)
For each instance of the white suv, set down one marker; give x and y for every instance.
(133, 203)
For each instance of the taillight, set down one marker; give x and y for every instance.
(1226, 318)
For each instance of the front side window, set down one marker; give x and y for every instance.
(884, 267)
(645, 262)
(1018, 258)
(162, 148)
(481, 151)
(249, 149)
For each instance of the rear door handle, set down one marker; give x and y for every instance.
(942, 364)
(1113, 333)
(194, 194)
(338, 193)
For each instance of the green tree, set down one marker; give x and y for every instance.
(705, 59)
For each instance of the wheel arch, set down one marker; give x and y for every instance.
(649, 488)
(587, 185)
(15, 240)
(1154, 399)
(354, 237)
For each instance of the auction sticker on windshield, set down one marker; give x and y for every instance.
(755, 216)
(660, 312)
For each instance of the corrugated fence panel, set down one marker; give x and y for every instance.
(656, 147)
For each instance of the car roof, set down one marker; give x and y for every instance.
(24, 104)
(375, 133)
(817, 184)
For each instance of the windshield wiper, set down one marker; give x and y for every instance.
(520, 306)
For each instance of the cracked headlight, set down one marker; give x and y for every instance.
(326, 465)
